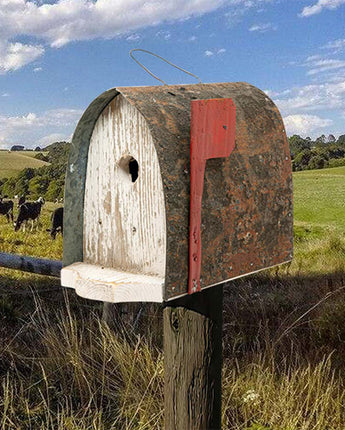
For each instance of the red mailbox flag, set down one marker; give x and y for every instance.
(212, 136)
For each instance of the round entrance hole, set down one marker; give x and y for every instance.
(129, 167)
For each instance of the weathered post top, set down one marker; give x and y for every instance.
(127, 195)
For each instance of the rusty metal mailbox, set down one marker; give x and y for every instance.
(129, 211)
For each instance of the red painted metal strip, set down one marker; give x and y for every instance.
(212, 136)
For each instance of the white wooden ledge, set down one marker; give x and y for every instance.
(109, 285)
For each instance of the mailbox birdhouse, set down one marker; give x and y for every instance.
(173, 189)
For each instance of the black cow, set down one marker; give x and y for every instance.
(6, 208)
(56, 223)
(21, 200)
(29, 210)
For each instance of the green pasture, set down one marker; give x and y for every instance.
(31, 154)
(319, 198)
(11, 163)
(319, 221)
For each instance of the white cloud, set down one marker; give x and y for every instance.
(54, 137)
(63, 21)
(325, 66)
(134, 37)
(30, 128)
(274, 94)
(240, 7)
(5, 95)
(13, 56)
(329, 95)
(305, 124)
(70, 20)
(319, 65)
(320, 5)
(263, 28)
(312, 58)
(38, 69)
(192, 39)
(337, 45)
(166, 35)
(209, 53)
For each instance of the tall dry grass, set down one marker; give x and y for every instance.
(70, 371)
(62, 368)
(261, 395)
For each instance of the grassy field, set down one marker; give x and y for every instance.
(31, 153)
(11, 163)
(63, 368)
(319, 199)
(319, 220)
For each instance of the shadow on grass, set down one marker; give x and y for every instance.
(295, 316)
(285, 315)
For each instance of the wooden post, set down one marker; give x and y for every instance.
(193, 361)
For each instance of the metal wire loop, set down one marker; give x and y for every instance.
(163, 59)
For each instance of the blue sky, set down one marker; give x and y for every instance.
(57, 56)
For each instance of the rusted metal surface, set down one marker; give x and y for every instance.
(40, 266)
(212, 136)
(247, 198)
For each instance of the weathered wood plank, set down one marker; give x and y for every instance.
(193, 361)
(75, 179)
(124, 217)
(110, 285)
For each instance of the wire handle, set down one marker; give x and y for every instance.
(163, 59)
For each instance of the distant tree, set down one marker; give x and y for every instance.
(53, 191)
(8, 187)
(302, 159)
(44, 181)
(41, 157)
(316, 162)
(335, 151)
(22, 182)
(321, 139)
(38, 186)
(38, 148)
(298, 144)
(17, 148)
(341, 140)
(331, 138)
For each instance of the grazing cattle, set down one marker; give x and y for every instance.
(29, 210)
(56, 223)
(6, 208)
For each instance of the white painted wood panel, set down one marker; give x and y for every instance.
(124, 222)
(110, 285)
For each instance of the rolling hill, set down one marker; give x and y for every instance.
(11, 163)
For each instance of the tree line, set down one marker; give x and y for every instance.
(308, 154)
(47, 181)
